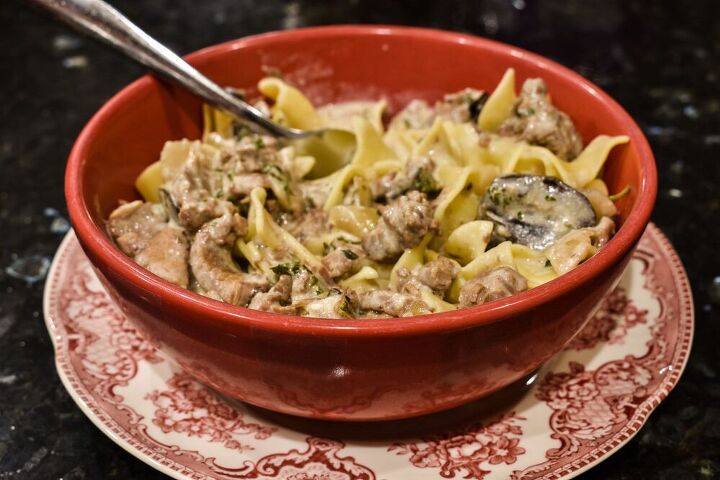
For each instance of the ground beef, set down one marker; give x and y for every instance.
(492, 285)
(462, 106)
(417, 175)
(439, 274)
(340, 261)
(536, 120)
(213, 266)
(403, 224)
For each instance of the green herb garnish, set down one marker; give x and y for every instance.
(350, 255)
(294, 269)
(275, 172)
(425, 182)
(347, 240)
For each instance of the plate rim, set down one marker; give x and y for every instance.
(621, 438)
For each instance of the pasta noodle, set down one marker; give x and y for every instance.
(421, 211)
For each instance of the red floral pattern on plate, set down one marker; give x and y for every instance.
(595, 402)
(611, 322)
(319, 462)
(187, 407)
(466, 452)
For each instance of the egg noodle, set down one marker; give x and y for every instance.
(336, 177)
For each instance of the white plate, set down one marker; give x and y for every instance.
(578, 410)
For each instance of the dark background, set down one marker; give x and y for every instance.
(661, 61)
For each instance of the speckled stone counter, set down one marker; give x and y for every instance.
(660, 62)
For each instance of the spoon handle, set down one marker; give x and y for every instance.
(104, 22)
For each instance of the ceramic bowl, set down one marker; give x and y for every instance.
(350, 369)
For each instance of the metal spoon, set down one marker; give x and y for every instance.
(107, 24)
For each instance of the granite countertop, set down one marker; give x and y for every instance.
(659, 61)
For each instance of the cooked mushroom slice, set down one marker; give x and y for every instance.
(168, 203)
(535, 210)
(213, 266)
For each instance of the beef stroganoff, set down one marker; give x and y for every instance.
(451, 205)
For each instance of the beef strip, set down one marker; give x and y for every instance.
(213, 266)
(439, 274)
(311, 223)
(133, 224)
(142, 232)
(403, 224)
(167, 256)
(242, 185)
(278, 299)
(536, 120)
(393, 303)
(492, 285)
(209, 180)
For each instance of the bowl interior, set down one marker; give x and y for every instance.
(333, 64)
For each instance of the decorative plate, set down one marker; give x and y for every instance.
(574, 412)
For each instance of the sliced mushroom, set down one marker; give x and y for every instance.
(535, 210)
(168, 203)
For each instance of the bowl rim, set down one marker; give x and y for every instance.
(224, 315)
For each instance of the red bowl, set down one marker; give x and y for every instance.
(350, 369)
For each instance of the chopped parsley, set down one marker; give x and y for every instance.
(524, 112)
(347, 240)
(294, 269)
(244, 208)
(498, 196)
(425, 182)
(345, 308)
(350, 255)
(275, 172)
(259, 143)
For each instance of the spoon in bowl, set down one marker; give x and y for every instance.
(104, 22)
